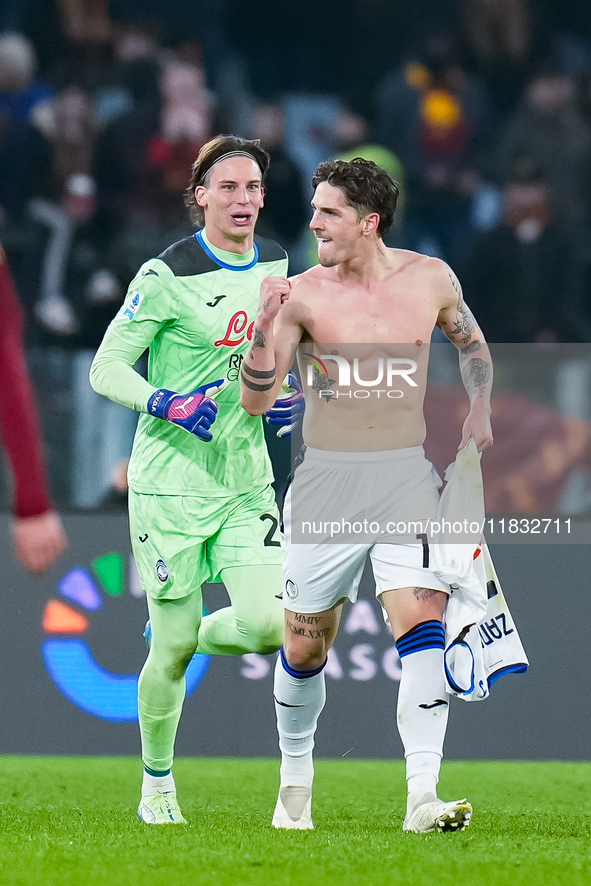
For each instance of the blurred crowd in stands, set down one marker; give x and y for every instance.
(480, 108)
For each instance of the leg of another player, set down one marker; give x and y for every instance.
(162, 687)
(416, 616)
(300, 693)
(254, 621)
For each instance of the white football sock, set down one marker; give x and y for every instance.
(157, 784)
(422, 719)
(298, 703)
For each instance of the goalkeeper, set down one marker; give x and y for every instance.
(201, 507)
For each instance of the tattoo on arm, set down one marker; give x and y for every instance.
(456, 285)
(259, 387)
(259, 339)
(471, 349)
(258, 380)
(250, 378)
(463, 326)
(258, 373)
(476, 374)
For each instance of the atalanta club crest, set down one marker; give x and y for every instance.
(162, 571)
(291, 589)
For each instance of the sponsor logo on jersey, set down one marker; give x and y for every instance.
(216, 301)
(162, 571)
(132, 308)
(238, 330)
(234, 364)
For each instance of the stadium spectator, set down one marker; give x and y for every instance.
(86, 32)
(550, 128)
(353, 139)
(131, 106)
(518, 268)
(25, 155)
(143, 156)
(286, 209)
(22, 99)
(499, 37)
(436, 118)
(69, 124)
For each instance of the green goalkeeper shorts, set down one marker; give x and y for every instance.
(181, 541)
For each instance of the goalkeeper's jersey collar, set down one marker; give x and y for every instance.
(231, 261)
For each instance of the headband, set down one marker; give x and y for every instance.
(225, 157)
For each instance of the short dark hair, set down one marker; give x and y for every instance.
(212, 151)
(365, 185)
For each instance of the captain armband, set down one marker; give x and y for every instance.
(258, 380)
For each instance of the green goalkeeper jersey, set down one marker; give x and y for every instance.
(194, 308)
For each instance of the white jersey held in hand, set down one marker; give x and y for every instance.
(482, 642)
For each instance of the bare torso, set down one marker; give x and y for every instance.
(382, 329)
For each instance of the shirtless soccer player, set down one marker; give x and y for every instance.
(366, 293)
(201, 507)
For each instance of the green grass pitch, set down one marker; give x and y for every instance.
(70, 821)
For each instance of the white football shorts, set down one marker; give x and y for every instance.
(398, 488)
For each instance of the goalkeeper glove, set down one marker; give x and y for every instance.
(288, 406)
(194, 412)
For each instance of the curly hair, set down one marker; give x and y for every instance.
(212, 151)
(365, 186)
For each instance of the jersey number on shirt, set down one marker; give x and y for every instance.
(268, 542)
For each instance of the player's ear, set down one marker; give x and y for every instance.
(262, 196)
(371, 223)
(201, 195)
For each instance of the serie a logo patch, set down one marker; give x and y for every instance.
(132, 308)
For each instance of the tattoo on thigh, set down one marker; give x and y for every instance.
(316, 634)
(423, 594)
(306, 619)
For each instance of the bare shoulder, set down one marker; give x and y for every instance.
(442, 279)
(306, 287)
(433, 269)
(427, 274)
(417, 264)
(311, 279)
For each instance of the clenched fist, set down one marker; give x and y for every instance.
(274, 292)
